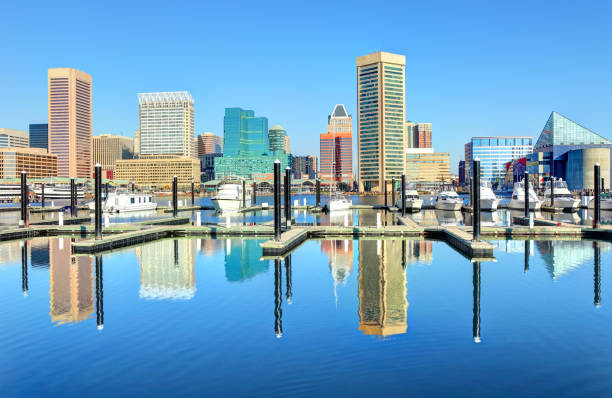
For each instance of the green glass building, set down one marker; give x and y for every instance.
(276, 136)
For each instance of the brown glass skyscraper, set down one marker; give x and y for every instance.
(70, 121)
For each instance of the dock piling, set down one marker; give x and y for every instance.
(42, 195)
(597, 208)
(392, 192)
(106, 190)
(174, 196)
(24, 199)
(288, 196)
(193, 193)
(243, 194)
(476, 197)
(526, 186)
(254, 194)
(277, 201)
(476, 308)
(318, 193)
(385, 183)
(403, 193)
(24, 268)
(60, 218)
(72, 198)
(552, 192)
(98, 200)
(278, 297)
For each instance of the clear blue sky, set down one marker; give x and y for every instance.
(473, 68)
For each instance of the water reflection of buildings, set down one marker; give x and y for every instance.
(561, 257)
(71, 283)
(242, 259)
(167, 269)
(418, 251)
(382, 288)
(209, 247)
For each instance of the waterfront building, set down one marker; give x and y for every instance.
(304, 167)
(409, 128)
(276, 138)
(36, 162)
(422, 135)
(380, 135)
(246, 147)
(423, 165)
(515, 172)
(207, 170)
(71, 283)
(495, 152)
(39, 135)
(287, 144)
(336, 147)
(467, 148)
(166, 124)
(461, 170)
(108, 148)
(208, 143)
(383, 306)
(136, 143)
(70, 125)
(567, 150)
(158, 172)
(13, 138)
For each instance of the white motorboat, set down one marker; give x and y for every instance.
(449, 200)
(488, 200)
(53, 191)
(448, 217)
(563, 196)
(229, 198)
(118, 202)
(518, 198)
(605, 202)
(338, 202)
(9, 192)
(413, 201)
(489, 219)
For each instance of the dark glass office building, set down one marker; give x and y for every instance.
(39, 136)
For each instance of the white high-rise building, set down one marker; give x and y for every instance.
(166, 124)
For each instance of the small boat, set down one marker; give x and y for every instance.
(53, 191)
(488, 200)
(9, 192)
(413, 201)
(229, 198)
(605, 202)
(449, 200)
(123, 202)
(563, 196)
(518, 198)
(338, 202)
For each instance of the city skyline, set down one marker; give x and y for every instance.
(468, 84)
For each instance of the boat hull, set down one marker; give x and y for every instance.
(226, 205)
(567, 204)
(489, 204)
(518, 204)
(446, 205)
(339, 206)
(412, 205)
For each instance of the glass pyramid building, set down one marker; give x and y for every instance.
(560, 130)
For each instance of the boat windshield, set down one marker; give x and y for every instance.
(485, 184)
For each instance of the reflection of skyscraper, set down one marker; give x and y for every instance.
(211, 246)
(419, 250)
(71, 283)
(382, 288)
(10, 252)
(562, 257)
(167, 269)
(39, 252)
(242, 260)
(340, 254)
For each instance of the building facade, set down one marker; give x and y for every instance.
(380, 104)
(158, 172)
(108, 148)
(495, 152)
(409, 128)
(336, 147)
(422, 135)
(244, 134)
(276, 138)
(70, 125)
(208, 143)
(10, 138)
(287, 144)
(136, 143)
(166, 124)
(39, 135)
(423, 165)
(207, 168)
(303, 167)
(461, 173)
(36, 162)
(565, 147)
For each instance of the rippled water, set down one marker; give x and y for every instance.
(192, 317)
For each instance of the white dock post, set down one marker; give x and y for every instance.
(60, 217)
(106, 220)
(169, 203)
(52, 203)
(346, 219)
(227, 220)
(198, 219)
(304, 201)
(378, 220)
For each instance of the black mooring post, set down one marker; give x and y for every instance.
(476, 197)
(526, 186)
(133, 186)
(476, 318)
(318, 193)
(72, 198)
(392, 192)
(527, 254)
(552, 193)
(277, 201)
(106, 191)
(603, 188)
(243, 194)
(99, 293)
(288, 293)
(596, 210)
(42, 195)
(98, 200)
(403, 193)
(278, 297)
(385, 184)
(288, 196)
(24, 199)
(597, 275)
(254, 193)
(404, 253)
(174, 196)
(24, 268)
(193, 192)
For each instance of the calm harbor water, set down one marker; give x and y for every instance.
(185, 317)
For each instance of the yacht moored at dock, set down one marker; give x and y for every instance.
(563, 196)
(53, 191)
(229, 198)
(488, 200)
(449, 200)
(605, 202)
(518, 198)
(413, 201)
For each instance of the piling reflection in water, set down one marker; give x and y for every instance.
(24, 268)
(278, 299)
(597, 274)
(167, 270)
(382, 288)
(289, 293)
(99, 293)
(476, 307)
(527, 254)
(71, 285)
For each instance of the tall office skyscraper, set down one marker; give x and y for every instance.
(244, 134)
(409, 128)
(287, 144)
(108, 148)
(166, 124)
(380, 102)
(39, 135)
(70, 121)
(208, 143)
(422, 135)
(336, 147)
(137, 143)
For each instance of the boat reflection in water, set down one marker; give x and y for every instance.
(448, 217)
(167, 269)
(382, 288)
(562, 257)
(340, 255)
